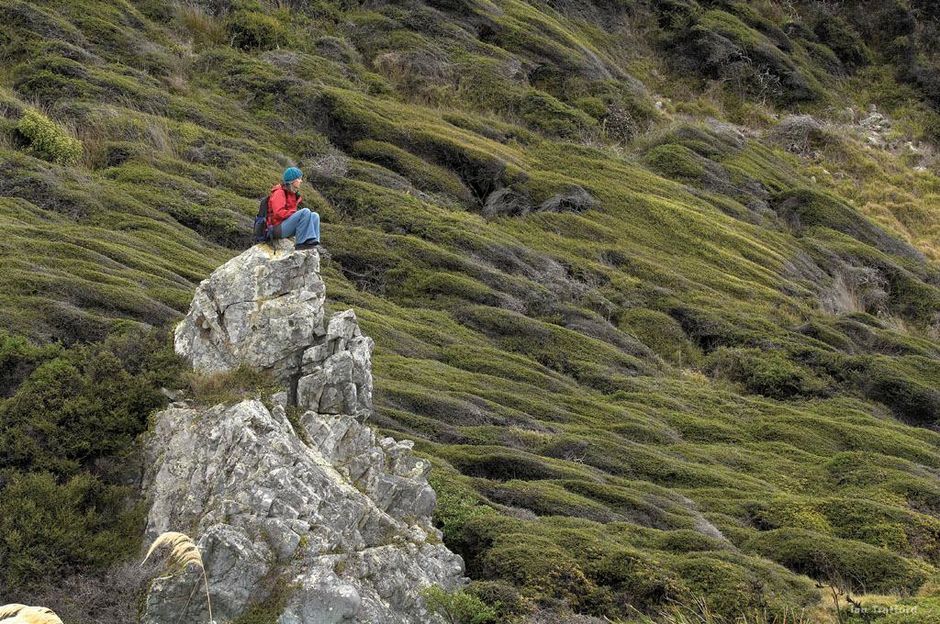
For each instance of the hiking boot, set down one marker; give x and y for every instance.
(312, 244)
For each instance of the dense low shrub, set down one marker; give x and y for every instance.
(65, 434)
(676, 161)
(86, 403)
(18, 358)
(637, 579)
(769, 373)
(49, 140)
(49, 528)
(850, 565)
(253, 30)
(545, 112)
(457, 607)
(912, 399)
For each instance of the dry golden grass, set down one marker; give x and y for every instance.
(23, 614)
(183, 553)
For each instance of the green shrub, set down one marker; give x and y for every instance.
(548, 114)
(49, 140)
(851, 565)
(841, 38)
(50, 529)
(76, 409)
(457, 607)
(87, 403)
(912, 398)
(422, 174)
(803, 208)
(787, 512)
(482, 84)
(545, 571)
(456, 505)
(675, 161)
(719, 45)
(18, 359)
(455, 285)
(730, 584)
(253, 30)
(636, 578)
(662, 334)
(769, 373)
(503, 598)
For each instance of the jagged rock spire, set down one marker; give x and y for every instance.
(332, 517)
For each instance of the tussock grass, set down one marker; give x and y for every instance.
(183, 553)
(232, 386)
(22, 614)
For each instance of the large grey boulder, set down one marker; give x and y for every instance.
(261, 308)
(325, 523)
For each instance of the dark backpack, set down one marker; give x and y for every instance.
(260, 232)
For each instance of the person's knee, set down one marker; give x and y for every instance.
(314, 215)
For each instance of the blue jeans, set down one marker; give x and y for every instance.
(303, 225)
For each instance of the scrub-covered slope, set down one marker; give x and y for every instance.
(654, 286)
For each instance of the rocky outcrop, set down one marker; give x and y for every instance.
(312, 519)
(261, 308)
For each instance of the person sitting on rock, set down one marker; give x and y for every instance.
(284, 211)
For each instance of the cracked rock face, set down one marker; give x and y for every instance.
(342, 521)
(324, 523)
(337, 373)
(261, 308)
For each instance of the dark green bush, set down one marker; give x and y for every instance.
(719, 45)
(676, 161)
(769, 373)
(457, 607)
(851, 565)
(18, 358)
(50, 528)
(546, 571)
(456, 505)
(503, 598)
(88, 402)
(914, 400)
(726, 587)
(637, 579)
(78, 409)
(836, 33)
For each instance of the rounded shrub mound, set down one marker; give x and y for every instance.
(769, 373)
(661, 333)
(849, 564)
(253, 30)
(48, 140)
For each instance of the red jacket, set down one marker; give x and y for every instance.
(281, 204)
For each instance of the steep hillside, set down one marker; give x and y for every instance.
(655, 286)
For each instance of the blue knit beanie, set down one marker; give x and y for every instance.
(291, 174)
